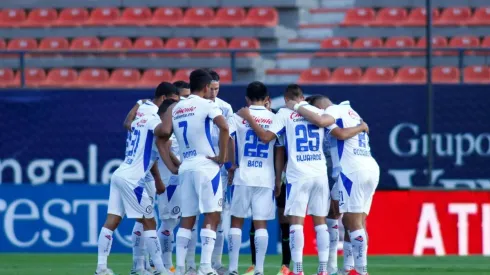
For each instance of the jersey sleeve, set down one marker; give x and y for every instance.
(229, 111)
(332, 111)
(279, 142)
(214, 110)
(278, 126)
(153, 122)
(232, 125)
(139, 102)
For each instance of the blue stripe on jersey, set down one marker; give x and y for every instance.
(340, 143)
(215, 182)
(147, 152)
(286, 145)
(170, 191)
(346, 182)
(288, 190)
(207, 128)
(138, 191)
(232, 190)
(281, 132)
(237, 162)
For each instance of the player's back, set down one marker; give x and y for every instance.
(146, 108)
(192, 124)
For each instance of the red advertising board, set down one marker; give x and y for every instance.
(425, 223)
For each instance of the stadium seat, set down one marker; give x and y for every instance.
(314, 76)
(454, 16)
(153, 77)
(245, 43)
(211, 44)
(486, 45)
(359, 17)
(481, 17)
(21, 44)
(445, 74)
(34, 77)
(12, 17)
(198, 17)
(126, 78)
(92, 78)
(378, 75)
(225, 75)
(364, 43)
(103, 17)
(399, 42)
(41, 18)
(85, 43)
(477, 74)
(182, 74)
(411, 75)
(334, 43)
(3, 44)
(229, 17)
(148, 43)
(438, 42)
(72, 17)
(134, 16)
(180, 43)
(346, 75)
(417, 17)
(61, 77)
(116, 44)
(465, 41)
(166, 17)
(261, 17)
(391, 17)
(7, 78)
(54, 43)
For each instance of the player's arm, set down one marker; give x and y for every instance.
(132, 114)
(264, 136)
(224, 136)
(165, 129)
(279, 154)
(160, 187)
(165, 151)
(321, 121)
(346, 133)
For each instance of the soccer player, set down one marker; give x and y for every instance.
(307, 187)
(184, 90)
(129, 195)
(358, 178)
(253, 180)
(199, 172)
(227, 112)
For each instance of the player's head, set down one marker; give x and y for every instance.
(183, 87)
(200, 81)
(293, 92)
(257, 94)
(164, 106)
(213, 92)
(164, 91)
(319, 101)
(268, 104)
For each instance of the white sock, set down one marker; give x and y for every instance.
(104, 248)
(261, 241)
(183, 240)
(208, 237)
(166, 237)
(190, 259)
(218, 246)
(138, 247)
(234, 244)
(348, 257)
(296, 243)
(322, 243)
(333, 231)
(359, 248)
(153, 247)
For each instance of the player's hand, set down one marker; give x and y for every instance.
(290, 104)
(244, 112)
(231, 174)
(160, 187)
(216, 159)
(277, 189)
(365, 126)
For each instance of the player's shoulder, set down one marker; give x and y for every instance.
(284, 112)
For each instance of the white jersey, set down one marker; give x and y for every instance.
(255, 159)
(227, 112)
(354, 153)
(141, 152)
(145, 109)
(192, 122)
(304, 144)
(165, 174)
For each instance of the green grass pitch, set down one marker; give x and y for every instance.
(81, 264)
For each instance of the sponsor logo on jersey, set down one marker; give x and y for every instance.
(259, 120)
(353, 114)
(181, 111)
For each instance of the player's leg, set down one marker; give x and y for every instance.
(166, 236)
(284, 225)
(239, 207)
(333, 230)
(138, 247)
(220, 237)
(251, 236)
(190, 259)
(347, 251)
(170, 212)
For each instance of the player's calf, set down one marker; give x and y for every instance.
(358, 238)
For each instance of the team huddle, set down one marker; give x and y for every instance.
(190, 154)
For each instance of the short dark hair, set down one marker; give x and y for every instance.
(199, 79)
(257, 91)
(314, 98)
(181, 84)
(165, 104)
(214, 75)
(293, 91)
(166, 89)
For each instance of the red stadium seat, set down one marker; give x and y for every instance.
(364, 43)
(314, 76)
(12, 17)
(481, 17)
(7, 78)
(34, 77)
(41, 18)
(126, 78)
(135, 16)
(399, 42)
(438, 42)
(62, 77)
(346, 75)
(54, 43)
(334, 43)
(182, 74)
(378, 75)
(445, 74)
(180, 43)
(417, 17)
(225, 75)
(477, 74)
(148, 43)
(153, 77)
(198, 17)
(85, 43)
(359, 17)
(229, 17)
(211, 44)
(167, 17)
(3, 44)
(391, 17)
(245, 43)
(261, 17)
(72, 17)
(454, 16)
(92, 78)
(411, 75)
(116, 44)
(21, 44)
(103, 17)
(465, 41)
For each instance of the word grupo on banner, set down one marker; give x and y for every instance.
(425, 223)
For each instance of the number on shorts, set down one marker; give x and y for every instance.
(254, 147)
(183, 124)
(307, 138)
